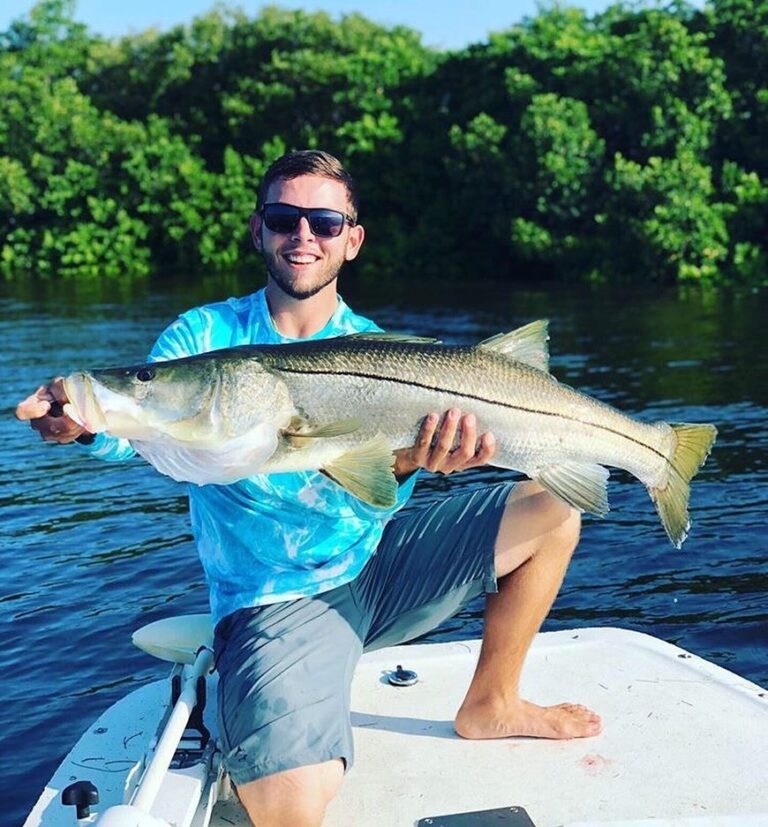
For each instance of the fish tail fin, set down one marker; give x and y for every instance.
(692, 446)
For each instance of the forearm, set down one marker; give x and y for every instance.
(107, 448)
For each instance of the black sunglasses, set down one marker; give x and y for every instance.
(284, 218)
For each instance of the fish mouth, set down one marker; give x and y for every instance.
(83, 406)
(97, 407)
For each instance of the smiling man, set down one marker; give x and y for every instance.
(304, 247)
(303, 576)
(300, 266)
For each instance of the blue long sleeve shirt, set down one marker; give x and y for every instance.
(276, 537)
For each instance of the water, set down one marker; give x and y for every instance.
(92, 551)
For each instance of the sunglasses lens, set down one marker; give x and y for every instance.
(281, 218)
(328, 223)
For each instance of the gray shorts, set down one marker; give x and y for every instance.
(285, 669)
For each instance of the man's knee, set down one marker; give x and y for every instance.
(293, 798)
(535, 520)
(554, 516)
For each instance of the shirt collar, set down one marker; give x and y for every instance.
(331, 328)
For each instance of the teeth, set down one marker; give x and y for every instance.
(301, 259)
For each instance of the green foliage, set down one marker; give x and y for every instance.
(675, 227)
(748, 223)
(739, 37)
(561, 183)
(624, 146)
(61, 209)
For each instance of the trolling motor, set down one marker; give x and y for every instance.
(183, 753)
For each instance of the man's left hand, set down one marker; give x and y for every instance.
(438, 450)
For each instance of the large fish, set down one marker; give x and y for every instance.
(343, 405)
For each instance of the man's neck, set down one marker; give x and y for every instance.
(300, 318)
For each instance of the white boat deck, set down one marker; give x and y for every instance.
(684, 741)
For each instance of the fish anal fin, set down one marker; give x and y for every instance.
(527, 344)
(367, 472)
(299, 429)
(581, 485)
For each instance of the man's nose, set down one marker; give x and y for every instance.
(303, 231)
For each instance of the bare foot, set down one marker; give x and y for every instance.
(525, 718)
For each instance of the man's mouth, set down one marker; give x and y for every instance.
(300, 258)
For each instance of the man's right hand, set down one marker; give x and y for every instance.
(44, 410)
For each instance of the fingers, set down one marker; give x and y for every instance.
(464, 454)
(57, 428)
(485, 451)
(408, 460)
(43, 410)
(457, 446)
(39, 403)
(421, 450)
(34, 406)
(442, 447)
(447, 446)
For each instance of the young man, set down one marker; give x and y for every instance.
(296, 590)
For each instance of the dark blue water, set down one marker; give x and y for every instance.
(92, 551)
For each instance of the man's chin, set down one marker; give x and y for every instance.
(296, 290)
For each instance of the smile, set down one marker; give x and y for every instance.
(300, 258)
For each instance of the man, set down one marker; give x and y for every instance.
(296, 590)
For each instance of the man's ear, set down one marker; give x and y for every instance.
(354, 241)
(255, 226)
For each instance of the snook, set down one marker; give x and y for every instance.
(343, 405)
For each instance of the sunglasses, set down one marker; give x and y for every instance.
(284, 218)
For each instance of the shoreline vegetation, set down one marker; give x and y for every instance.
(624, 147)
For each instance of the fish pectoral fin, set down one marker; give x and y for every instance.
(582, 485)
(299, 429)
(367, 472)
(527, 344)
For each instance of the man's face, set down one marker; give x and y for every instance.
(301, 263)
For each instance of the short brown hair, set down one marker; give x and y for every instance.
(308, 162)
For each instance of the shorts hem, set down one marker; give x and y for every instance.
(246, 774)
(490, 582)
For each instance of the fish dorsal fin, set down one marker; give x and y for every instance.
(582, 485)
(401, 338)
(300, 429)
(527, 344)
(367, 472)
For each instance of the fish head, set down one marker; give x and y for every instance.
(176, 399)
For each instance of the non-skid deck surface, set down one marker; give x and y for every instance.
(681, 738)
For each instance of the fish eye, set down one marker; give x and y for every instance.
(145, 375)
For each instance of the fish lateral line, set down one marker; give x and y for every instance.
(465, 395)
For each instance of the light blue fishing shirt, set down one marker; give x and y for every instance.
(276, 537)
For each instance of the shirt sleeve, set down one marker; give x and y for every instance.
(179, 339)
